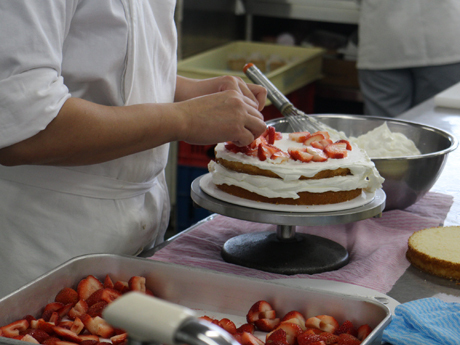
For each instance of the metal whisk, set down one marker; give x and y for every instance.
(298, 120)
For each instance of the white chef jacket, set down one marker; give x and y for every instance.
(408, 33)
(112, 52)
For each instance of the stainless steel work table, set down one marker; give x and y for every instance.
(415, 284)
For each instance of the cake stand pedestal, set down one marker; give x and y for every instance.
(286, 251)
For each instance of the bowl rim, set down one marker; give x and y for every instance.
(453, 140)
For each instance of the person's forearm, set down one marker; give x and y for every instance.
(87, 133)
(187, 88)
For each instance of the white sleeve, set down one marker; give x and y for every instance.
(32, 90)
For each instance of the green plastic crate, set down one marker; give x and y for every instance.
(303, 64)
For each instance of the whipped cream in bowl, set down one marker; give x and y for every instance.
(381, 142)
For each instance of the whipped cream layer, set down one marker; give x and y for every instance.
(364, 174)
(381, 142)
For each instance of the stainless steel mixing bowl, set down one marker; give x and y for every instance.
(407, 179)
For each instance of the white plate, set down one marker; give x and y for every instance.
(210, 188)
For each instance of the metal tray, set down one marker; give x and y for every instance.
(214, 294)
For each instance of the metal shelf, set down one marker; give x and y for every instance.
(334, 11)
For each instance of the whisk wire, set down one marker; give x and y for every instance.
(299, 121)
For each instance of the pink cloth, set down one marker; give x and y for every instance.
(377, 246)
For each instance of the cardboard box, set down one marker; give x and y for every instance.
(338, 72)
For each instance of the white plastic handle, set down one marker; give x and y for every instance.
(147, 318)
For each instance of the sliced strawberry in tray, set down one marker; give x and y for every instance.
(256, 309)
(87, 286)
(67, 295)
(277, 337)
(267, 325)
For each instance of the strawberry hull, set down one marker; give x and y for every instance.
(209, 293)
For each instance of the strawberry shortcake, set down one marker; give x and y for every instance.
(295, 169)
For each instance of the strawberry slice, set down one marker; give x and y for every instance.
(308, 338)
(329, 338)
(228, 325)
(256, 310)
(318, 154)
(66, 334)
(299, 137)
(67, 296)
(346, 327)
(349, 148)
(121, 286)
(348, 339)
(209, 319)
(300, 154)
(277, 337)
(97, 326)
(137, 283)
(90, 342)
(267, 325)
(77, 326)
(103, 295)
(336, 150)
(250, 339)
(321, 144)
(247, 327)
(363, 331)
(63, 342)
(78, 309)
(51, 341)
(29, 338)
(238, 337)
(270, 135)
(44, 326)
(88, 337)
(97, 308)
(295, 317)
(87, 286)
(325, 133)
(119, 339)
(325, 323)
(318, 136)
(266, 151)
(108, 282)
(66, 324)
(55, 318)
(50, 308)
(292, 331)
(38, 334)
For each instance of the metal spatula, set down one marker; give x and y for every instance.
(298, 120)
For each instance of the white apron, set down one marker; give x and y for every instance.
(408, 33)
(51, 214)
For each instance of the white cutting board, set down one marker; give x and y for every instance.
(449, 98)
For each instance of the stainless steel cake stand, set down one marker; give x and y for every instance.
(286, 251)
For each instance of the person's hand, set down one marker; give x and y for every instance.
(191, 88)
(228, 115)
(255, 92)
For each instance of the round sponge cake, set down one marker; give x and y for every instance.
(436, 251)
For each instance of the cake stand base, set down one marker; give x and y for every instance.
(301, 254)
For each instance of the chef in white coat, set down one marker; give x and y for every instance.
(408, 51)
(89, 100)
